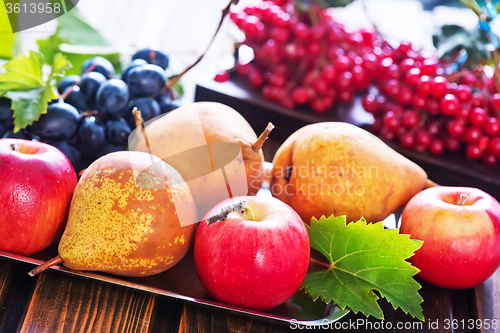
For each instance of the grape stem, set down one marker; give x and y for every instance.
(54, 261)
(263, 137)
(173, 80)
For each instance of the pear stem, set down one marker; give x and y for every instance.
(263, 137)
(14, 147)
(463, 199)
(54, 261)
(429, 183)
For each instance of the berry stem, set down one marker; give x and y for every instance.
(54, 261)
(173, 80)
(463, 199)
(263, 137)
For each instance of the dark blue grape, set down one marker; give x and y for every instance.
(67, 82)
(112, 96)
(22, 134)
(117, 131)
(92, 132)
(132, 64)
(77, 98)
(149, 107)
(6, 113)
(73, 155)
(146, 81)
(168, 105)
(60, 122)
(101, 65)
(107, 149)
(154, 57)
(89, 85)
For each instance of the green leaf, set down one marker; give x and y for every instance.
(29, 105)
(363, 258)
(22, 73)
(24, 84)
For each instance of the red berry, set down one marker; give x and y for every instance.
(386, 134)
(344, 81)
(492, 127)
(464, 111)
(439, 86)
(494, 146)
(472, 134)
(456, 128)
(222, 77)
(429, 67)
(314, 48)
(405, 96)
(436, 147)
(496, 100)
(453, 144)
(410, 119)
(449, 105)
(320, 86)
(418, 102)
(472, 151)
(463, 93)
(424, 86)
(478, 117)
(432, 106)
(412, 77)
(329, 73)
(407, 140)
(277, 80)
(345, 96)
(280, 35)
(243, 69)
(318, 106)
(406, 65)
(392, 88)
(391, 121)
(477, 100)
(369, 103)
(300, 95)
(343, 63)
(317, 32)
(301, 31)
(255, 78)
(423, 138)
(370, 63)
(489, 160)
(360, 78)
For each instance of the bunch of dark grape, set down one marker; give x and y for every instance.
(93, 115)
(305, 58)
(426, 107)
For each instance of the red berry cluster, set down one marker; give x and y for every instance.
(426, 110)
(305, 58)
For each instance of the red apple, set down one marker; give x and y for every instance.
(257, 259)
(37, 184)
(460, 227)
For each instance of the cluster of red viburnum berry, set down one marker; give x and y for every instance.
(308, 59)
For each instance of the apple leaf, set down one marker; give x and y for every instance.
(23, 82)
(364, 258)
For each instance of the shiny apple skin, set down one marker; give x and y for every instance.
(254, 264)
(461, 244)
(37, 185)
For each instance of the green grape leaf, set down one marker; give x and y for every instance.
(23, 82)
(364, 258)
(22, 73)
(29, 105)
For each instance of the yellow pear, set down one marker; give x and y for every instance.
(131, 215)
(210, 145)
(340, 169)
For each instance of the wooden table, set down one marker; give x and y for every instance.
(57, 302)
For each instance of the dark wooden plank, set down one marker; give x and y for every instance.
(166, 315)
(62, 303)
(487, 297)
(201, 319)
(16, 288)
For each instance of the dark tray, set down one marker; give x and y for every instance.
(447, 169)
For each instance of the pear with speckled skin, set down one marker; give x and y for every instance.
(131, 215)
(337, 168)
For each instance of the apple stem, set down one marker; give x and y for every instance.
(248, 213)
(239, 206)
(463, 199)
(263, 137)
(54, 261)
(14, 147)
